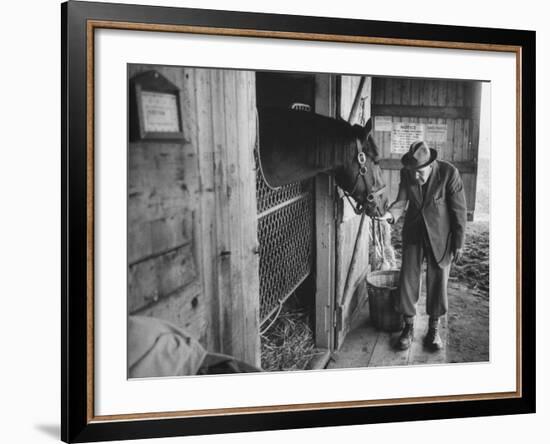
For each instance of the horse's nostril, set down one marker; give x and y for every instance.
(370, 198)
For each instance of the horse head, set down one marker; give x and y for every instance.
(296, 145)
(361, 176)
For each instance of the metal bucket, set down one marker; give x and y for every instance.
(383, 288)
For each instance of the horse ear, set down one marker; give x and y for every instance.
(359, 132)
(362, 132)
(368, 126)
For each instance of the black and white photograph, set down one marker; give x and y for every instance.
(301, 221)
(274, 222)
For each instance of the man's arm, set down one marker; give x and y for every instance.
(456, 202)
(398, 207)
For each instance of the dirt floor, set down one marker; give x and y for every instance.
(468, 318)
(468, 315)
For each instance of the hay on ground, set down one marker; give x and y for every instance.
(288, 344)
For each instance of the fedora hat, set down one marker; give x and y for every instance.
(418, 156)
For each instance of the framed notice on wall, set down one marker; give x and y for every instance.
(155, 112)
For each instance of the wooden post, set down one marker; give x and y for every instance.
(474, 142)
(234, 128)
(325, 260)
(325, 92)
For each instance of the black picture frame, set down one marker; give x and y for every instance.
(78, 423)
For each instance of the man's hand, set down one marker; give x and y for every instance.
(387, 217)
(457, 255)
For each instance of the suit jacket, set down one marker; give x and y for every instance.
(441, 212)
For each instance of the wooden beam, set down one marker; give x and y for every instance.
(436, 112)
(357, 99)
(197, 101)
(395, 164)
(326, 103)
(473, 149)
(233, 120)
(325, 261)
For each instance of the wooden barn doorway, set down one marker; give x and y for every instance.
(310, 251)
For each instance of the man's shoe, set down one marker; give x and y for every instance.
(406, 337)
(432, 340)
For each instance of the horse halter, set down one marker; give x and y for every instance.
(359, 208)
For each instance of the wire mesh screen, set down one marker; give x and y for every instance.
(268, 198)
(285, 234)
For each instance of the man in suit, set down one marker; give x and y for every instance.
(431, 192)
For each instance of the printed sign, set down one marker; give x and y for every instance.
(404, 134)
(382, 123)
(436, 132)
(160, 112)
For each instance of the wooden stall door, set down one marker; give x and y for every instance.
(445, 113)
(224, 131)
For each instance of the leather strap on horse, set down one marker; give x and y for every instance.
(359, 208)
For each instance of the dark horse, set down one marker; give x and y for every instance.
(296, 145)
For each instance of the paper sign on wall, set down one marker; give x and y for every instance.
(436, 132)
(382, 123)
(404, 134)
(160, 111)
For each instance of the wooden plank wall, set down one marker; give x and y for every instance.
(348, 221)
(453, 102)
(192, 234)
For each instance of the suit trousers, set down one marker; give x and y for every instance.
(410, 281)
